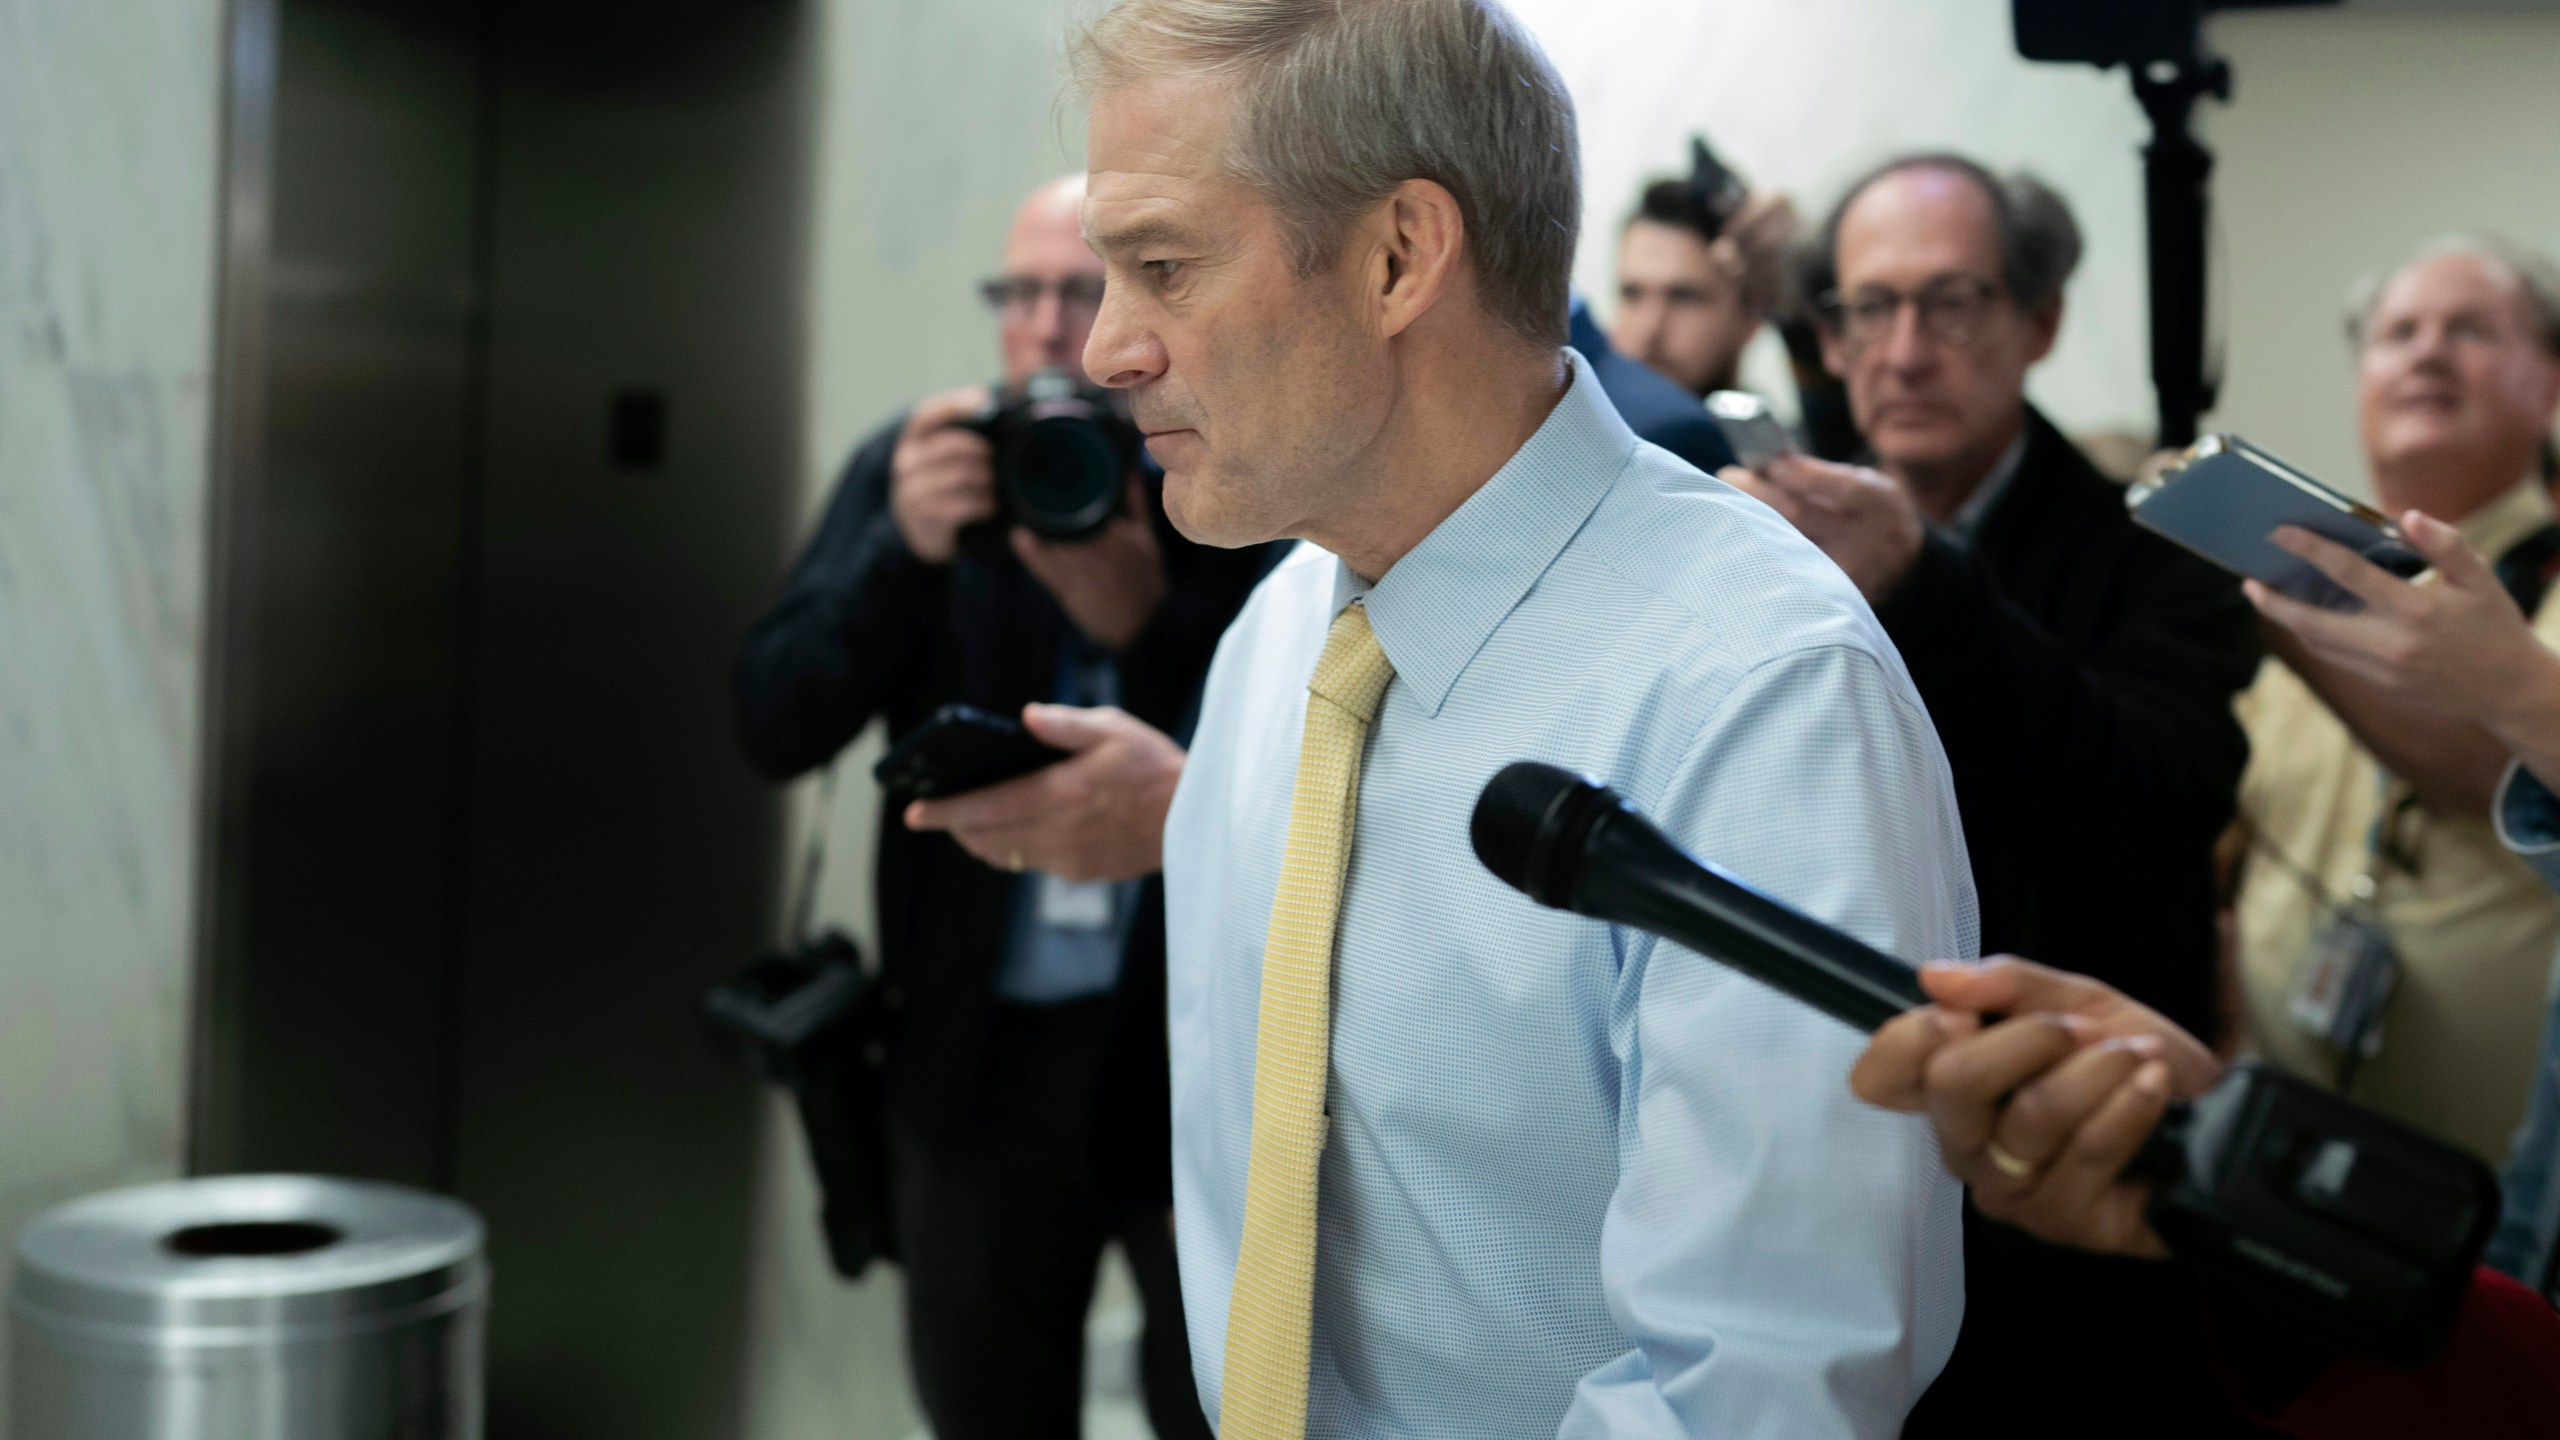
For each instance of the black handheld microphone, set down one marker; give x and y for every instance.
(2355, 1226)
(1570, 842)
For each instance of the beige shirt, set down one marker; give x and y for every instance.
(2474, 926)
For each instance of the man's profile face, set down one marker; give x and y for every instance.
(2450, 369)
(1933, 351)
(1679, 305)
(1247, 378)
(1055, 283)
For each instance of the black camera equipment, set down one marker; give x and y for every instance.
(2161, 45)
(811, 1018)
(1063, 453)
(2361, 1229)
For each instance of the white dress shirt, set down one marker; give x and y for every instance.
(1579, 1181)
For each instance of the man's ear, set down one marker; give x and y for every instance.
(2549, 398)
(1835, 355)
(2042, 328)
(1418, 241)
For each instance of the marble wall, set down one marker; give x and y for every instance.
(109, 122)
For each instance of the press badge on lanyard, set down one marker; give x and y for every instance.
(2346, 975)
(2344, 979)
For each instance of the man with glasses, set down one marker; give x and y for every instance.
(2080, 672)
(1028, 1111)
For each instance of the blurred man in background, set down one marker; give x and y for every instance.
(1026, 1083)
(2367, 814)
(1699, 272)
(2080, 672)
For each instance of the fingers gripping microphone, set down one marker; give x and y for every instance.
(1570, 842)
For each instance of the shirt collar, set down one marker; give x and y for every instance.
(1967, 521)
(1434, 609)
(2497, 526)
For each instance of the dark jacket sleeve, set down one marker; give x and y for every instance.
(854, 625)
(2124, 751)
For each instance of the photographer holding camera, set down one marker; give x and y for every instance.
(1001, 555)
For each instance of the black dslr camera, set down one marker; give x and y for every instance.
(1063, 453)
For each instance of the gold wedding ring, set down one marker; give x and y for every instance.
(2009, 1165)
(1013, 862)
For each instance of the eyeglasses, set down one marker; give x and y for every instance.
(1019, 295)
(1952, 309)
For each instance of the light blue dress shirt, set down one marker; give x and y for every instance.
(1579, 1182)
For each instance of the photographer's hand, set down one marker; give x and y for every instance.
(1863, 519)
(1096, 815)
(941, 477)
(2039, 1114)
(1109, 585)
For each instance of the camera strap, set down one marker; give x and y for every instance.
(813, 863)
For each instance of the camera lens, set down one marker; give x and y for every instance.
(1063, 477)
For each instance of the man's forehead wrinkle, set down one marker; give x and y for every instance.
(1149, 215)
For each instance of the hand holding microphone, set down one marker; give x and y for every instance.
(2040, 1114)
(2360, 1228)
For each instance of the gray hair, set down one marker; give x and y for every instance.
(1337, 102)
(2537, 284)
(2039, 240)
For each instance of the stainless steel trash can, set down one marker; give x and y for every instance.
(249, 1307)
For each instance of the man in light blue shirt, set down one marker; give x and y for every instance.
(1577, 1176)
(1571, 1181)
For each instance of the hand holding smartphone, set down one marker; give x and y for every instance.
(958, 749)
(2225, 498)
(1757, 437)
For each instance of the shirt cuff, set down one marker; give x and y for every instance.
(2528, 820)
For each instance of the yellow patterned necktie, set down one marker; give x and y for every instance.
(1271, 1311)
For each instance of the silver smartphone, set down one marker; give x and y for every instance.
(2225, 496)
(1756, 436)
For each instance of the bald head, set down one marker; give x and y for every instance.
(2457, 378)
(1046, 245)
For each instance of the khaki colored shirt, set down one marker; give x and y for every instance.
(2474, 925)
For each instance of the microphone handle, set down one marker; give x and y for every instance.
(1632, 874)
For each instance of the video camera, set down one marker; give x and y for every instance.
(2360, 1228)
(1064, 449)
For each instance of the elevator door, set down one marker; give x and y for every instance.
(529, 366)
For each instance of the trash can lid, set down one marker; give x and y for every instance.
(265, 1251)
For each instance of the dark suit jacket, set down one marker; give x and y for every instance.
(2080, 671)
(864, 628)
